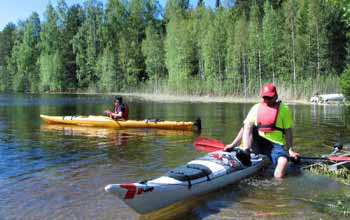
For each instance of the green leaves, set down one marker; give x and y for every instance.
(345, 82)
(230, 49)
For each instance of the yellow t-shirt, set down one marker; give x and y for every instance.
(284, 121)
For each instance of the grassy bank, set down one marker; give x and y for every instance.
(194, 90)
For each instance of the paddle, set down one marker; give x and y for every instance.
(329, 158)
(209, 145)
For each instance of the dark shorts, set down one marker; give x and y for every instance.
(266, 147)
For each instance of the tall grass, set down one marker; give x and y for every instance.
(301, 90)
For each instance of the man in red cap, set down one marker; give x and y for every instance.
(267, 129)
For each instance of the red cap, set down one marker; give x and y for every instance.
(268, 90)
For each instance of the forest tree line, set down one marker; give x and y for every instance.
(303, 46)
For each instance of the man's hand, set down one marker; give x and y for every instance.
(107, 112)
(228, 147)
(293, 153)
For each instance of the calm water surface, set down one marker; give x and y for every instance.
(59, 172)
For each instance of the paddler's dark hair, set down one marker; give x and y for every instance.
(119, 98)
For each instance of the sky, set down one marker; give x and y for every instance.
(15, 10)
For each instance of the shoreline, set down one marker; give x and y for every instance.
(205, 98)
(192, 98)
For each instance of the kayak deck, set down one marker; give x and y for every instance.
(199, 176)
(103, 121)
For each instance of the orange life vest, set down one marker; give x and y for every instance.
(267, 116)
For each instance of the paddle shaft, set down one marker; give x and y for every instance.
(330, 158)
(210, 144)
(313, 158)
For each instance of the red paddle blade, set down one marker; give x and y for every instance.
(208, 144)
(339, 159)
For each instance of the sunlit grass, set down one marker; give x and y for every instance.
(342, 174)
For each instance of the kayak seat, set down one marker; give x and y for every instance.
(189, 172)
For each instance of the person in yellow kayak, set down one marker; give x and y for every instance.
(120, 111)
(267, 129)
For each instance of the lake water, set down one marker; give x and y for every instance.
(59, 172)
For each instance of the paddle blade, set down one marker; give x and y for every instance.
(339, 159)
(208, 144)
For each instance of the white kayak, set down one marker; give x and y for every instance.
(215, 170)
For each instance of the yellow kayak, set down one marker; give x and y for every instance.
(104, 121)
(105, 132)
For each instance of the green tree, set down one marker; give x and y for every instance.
(254, 47)
(290, 11)
(271, 43)
(116, 23)
(24, 56)
(336, 31)
(50, 61)
(153, 51)
(176, 9)
(240, 51)
(134, 35)
(345, 82)
(200, 18)
(302, 49)
(87, 45)
(7, 39)
(106, 69)
(232, 70)
(70, 20)
(214, 51)
(179, 53)
(318, 63)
